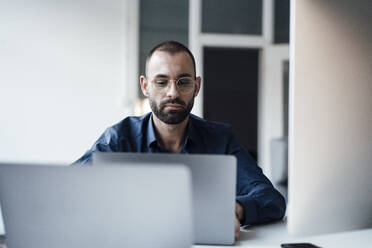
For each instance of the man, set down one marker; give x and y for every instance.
(171, 86)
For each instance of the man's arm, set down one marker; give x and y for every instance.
(260, 201)
(105, 143)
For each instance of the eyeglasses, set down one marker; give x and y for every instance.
(184, 85)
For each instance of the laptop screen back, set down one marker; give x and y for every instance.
(213, 188)
(60, 206)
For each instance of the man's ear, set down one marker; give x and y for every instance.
(197, 85)
(144, 85)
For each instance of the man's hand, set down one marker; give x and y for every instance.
(239, 216)
(237, 228)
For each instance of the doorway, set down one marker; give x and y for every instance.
(231, 91)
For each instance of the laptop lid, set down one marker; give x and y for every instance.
(213, 188)
(113, 206)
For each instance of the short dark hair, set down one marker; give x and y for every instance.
(171, 47)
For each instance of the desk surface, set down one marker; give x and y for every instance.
(270, 236)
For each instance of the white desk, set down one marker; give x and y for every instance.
(270, 236)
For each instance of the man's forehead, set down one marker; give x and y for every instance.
(169, 63)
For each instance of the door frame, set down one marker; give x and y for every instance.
(269, 55)
(271, 104)
(198, 40)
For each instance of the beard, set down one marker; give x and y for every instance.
(172, 117)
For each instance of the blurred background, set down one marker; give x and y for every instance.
(70, 69)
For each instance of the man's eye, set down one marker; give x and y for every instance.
(184, 82)
(161, 82)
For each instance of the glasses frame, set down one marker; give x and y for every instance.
(177, 81)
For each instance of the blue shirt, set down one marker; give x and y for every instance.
(261, 201)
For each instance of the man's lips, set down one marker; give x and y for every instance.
(172, 106)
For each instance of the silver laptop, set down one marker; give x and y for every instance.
(213, 184)
(111, 207)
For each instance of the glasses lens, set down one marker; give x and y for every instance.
(160, 83)
(185, 84)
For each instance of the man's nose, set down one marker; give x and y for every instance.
(172, 91)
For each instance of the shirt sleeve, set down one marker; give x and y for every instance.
(262, 203)
(104, 143)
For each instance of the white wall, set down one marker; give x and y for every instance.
(330, 139)
(63, 76)
(67, 71)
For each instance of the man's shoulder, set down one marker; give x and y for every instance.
(132, 121)
(130, 126)
(210, 126)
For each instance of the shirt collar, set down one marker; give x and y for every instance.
(191, 133)
(151, 137)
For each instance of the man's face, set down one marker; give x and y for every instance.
(170, 103)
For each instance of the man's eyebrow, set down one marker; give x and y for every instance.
(184, 75)
(178, 76)
(161, 76)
